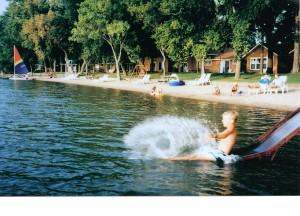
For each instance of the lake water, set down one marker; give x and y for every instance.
(68, 140)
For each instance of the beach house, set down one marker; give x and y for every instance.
(254, 56)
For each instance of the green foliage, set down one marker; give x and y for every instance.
(210, 41)
(103, 30)
(240, 41)
(104, 20)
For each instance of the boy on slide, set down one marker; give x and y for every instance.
(227, 140)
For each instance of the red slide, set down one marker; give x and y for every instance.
(269, 143)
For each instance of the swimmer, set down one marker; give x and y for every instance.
(153, 90)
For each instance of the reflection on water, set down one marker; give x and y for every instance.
(66, 140)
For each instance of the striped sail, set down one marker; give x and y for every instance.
(20, 67)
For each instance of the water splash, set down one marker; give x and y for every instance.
(168, 136)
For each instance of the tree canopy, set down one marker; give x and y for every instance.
(102, 31)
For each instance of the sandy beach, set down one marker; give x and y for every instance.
(289, 101)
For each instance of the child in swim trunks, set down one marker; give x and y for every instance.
(217, 90)
(234, 89)
(227, 140)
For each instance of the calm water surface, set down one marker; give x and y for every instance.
(68, 140)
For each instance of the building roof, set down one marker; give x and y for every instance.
(224, 54)
(259, 44)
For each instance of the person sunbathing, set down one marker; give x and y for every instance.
(277, 83)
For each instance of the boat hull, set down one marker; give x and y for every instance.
(21, 78)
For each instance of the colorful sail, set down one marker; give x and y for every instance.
(20, 67)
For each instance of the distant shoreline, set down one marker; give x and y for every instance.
(285, 102)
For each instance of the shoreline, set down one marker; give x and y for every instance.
(289, 101)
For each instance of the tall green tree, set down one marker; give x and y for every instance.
(239, 14)
(104, 20)
(174, 25)
(210, 41)
(275, 24)
(186, 21)
(11, 26)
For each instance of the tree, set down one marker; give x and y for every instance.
(240, 42)
(239, 14)
(104, 20)
(275, 26)
(211, 41)
(34, 33)
(174, 25)
(185, 22)
(296, 44)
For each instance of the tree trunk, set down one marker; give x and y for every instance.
(296, 45)
(270, 59)
(238, 69)
(124, 71)
(164, 61)
(54, 66)
(202, 67)
(67, 61)
(261, 58)
(45, 66)
(82, 66)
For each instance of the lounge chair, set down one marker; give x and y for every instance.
(198, 81)
(264, 86)
(104, 78)
(145, 80)
(174, 77)
(71, 76)
(206, 79)
(281, 86)
(284, 86)
(253, 89)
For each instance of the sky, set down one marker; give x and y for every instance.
(3, 5)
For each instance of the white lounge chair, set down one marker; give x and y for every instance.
(104, 78)
(206, 79)
(71, 76)
(253, 90)
(264, 87)
(282, 86)
(198, 81)
(145, 80)
(174, 77)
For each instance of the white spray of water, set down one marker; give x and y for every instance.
(168, 136)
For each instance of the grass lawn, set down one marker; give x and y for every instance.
(245, 77)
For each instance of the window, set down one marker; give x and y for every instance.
(208, 63)
(255, 64)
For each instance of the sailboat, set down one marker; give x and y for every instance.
(19, 67)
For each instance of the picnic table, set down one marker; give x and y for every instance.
(166, 78)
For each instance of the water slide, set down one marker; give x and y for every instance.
(269, 143)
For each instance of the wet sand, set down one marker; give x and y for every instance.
(286, 102)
